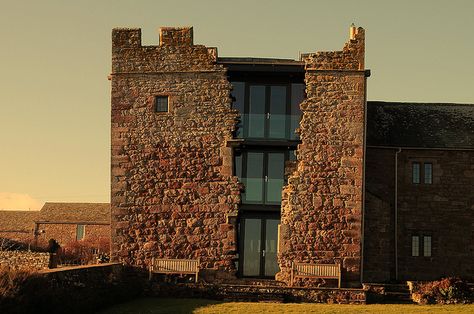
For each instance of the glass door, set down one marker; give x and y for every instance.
(259, 247)
(270, 247)
(262, 174)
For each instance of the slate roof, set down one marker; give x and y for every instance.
(424, 125)
(75, 212)
(17, 220)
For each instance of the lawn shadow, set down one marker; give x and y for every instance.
(158, 305)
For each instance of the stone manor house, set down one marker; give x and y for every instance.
(251, 164)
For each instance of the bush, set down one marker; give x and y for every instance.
(83, 252)
(445, 291)
(11, 280)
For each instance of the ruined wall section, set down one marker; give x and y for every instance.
(173, 194)
(322, 203)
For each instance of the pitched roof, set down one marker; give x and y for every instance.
(75, 212)
(424, 125)
(17, 220)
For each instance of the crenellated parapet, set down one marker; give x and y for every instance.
(176, 52)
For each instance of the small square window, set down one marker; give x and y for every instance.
(416, 172)
(415, 246)
(428, 173)
(80, 232)
(161, 103)
(427, 246)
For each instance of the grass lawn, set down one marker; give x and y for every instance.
(201, 306)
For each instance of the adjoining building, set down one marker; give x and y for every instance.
(69, 222)
(251, 164)
(17, 228)
(63, 222)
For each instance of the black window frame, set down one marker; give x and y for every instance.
(422, 171)
(243, 154)
(158, 107)
(268, 84)
(421, 244)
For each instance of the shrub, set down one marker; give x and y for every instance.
(83, 252)
(11, 280)
(445, 291)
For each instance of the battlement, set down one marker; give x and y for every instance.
(176, 52)
(176, 36)
(351, 57)
(168, 36)
(126, 37)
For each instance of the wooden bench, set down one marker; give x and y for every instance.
(174, 266)
(324, 271)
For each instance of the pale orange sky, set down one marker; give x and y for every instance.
(55, 58)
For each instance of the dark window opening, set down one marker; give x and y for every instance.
(161, 104)
(415, 173)
(428, 169)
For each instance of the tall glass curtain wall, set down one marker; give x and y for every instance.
(268, 111)
(270, 114)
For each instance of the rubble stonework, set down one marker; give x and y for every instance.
(24, 260)
(173, 193)
(322, 202)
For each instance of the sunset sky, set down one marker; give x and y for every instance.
(55, 57)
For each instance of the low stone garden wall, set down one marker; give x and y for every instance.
(81, 289)
(248, 293)
(24, 260)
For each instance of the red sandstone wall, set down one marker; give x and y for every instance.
(172, 191)
(444, 209)
(322, 203)
(379, 237)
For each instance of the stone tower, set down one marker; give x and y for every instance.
(173, 195)
(321, 219)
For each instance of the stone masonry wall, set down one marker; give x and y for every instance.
(173, 194)
(24, 260)
(379, 217)
(322, 203)
(443, 210)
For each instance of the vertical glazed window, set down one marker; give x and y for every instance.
(415, 246)
(238, 97)
(297, 97)
(427, 246)
(161, 104)
(415, 173)
(80, 232)
(271, 242)
(275, 177)
(254, 180)
(256, 117)
(277, 112)
(238, 165)
(252, 250)
(428, 173)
